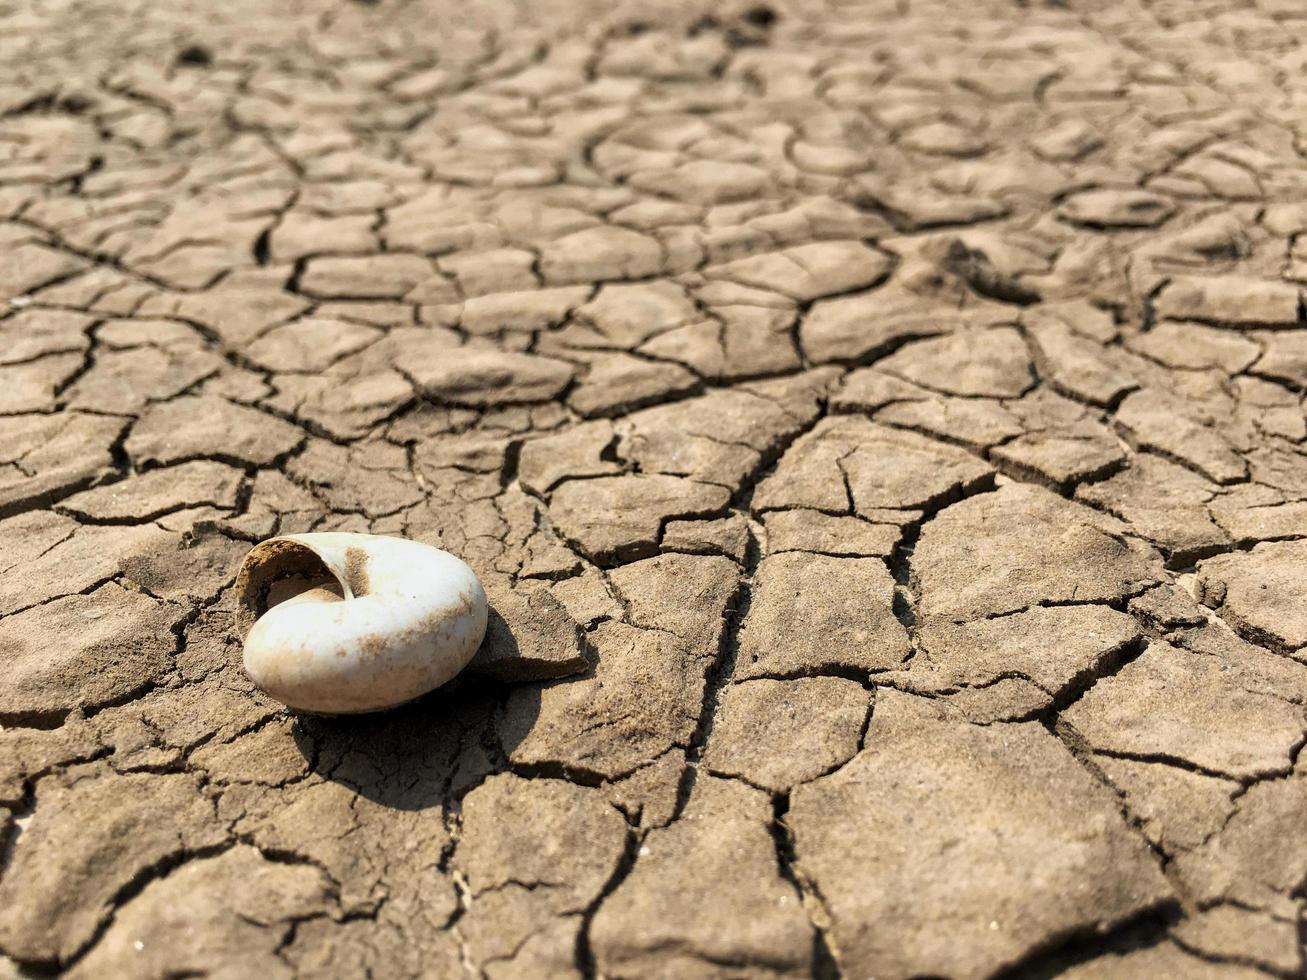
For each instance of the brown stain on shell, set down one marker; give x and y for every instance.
(270, 563)
(356, 570)
(374, 645)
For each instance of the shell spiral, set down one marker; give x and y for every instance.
(340, 623)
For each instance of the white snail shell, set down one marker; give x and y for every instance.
(338, 623)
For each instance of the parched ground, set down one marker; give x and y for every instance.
(879, 427)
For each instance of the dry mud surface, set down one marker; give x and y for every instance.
(879, 427)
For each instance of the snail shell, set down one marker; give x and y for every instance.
(338, 623)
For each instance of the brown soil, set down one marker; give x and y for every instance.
(879, 427)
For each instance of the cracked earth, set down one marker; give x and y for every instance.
(879, 426)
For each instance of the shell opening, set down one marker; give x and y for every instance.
(281, 571)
